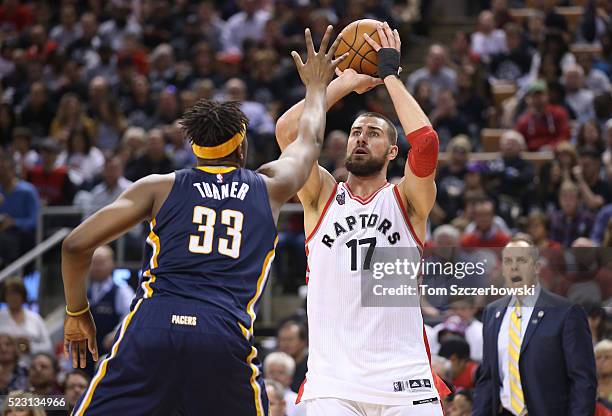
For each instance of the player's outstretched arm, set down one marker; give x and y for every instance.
(287, 129)
(136, 204)
(418, 186)
(285, 176)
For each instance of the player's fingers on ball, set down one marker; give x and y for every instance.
(334, 47)
(339, 59)
(383, 37)
(371, 42)
(398, 41)
(66, 349)
(309, 44)
(338, 71)
(325, 40)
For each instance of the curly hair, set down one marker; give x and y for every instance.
(210, 123)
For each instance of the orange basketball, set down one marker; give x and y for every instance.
(362, 57)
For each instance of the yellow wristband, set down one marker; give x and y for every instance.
(78, 313)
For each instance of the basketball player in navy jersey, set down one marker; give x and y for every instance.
(186, 346)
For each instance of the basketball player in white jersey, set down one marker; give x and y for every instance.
(367, 361)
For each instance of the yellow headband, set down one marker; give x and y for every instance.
(221, 150)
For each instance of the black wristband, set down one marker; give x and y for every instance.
(388, 62)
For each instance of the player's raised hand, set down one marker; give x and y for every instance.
(388, 38)
(79, 336)
(318, 70)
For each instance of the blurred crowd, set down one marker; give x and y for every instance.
(91, 91)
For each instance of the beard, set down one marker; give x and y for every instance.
(365, 167)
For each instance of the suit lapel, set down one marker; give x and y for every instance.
(536, 317)
(498, 317)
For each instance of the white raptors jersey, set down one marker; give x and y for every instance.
(368, 354)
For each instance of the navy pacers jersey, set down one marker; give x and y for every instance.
(213, 241)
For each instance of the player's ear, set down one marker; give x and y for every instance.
(392, 153)
(242, 152)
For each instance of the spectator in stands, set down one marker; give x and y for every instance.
(538, 225)
(461, 404)
(553, 51)
(601, 224)
(75, 384)
(607, 154)
(535, 29)
(463, 369)
(83, 160)
(113, 184)
(23, 324)
(15, 17)
(7, 121)
(19, 396)
(595, 192)
(70, 116)
(578, 98)
(597, 321)
(139, 108)
(472, 102)
(168, 108)
(24, 156)
(603, 361)
(460, 321)
(589, 135)
(280, 367)
(293, 340)
(553, 173)
(487, 40)
(447, 120)
(514, 63)
(571, 220)
(178, 147)
(42, 377)
(261, 126)
(511, 176)
(84, 48)
(154, 160)
(543, 125)
(247, 24)
(68, 30)
(109, 301)
(9, 362)
(51, 181)
(486, 232)
(436, 71)
(595, 79)
(276, 402)
(123, 22)
(19, 206)
(450, 180)
(38, 112)
(501, 12)
(110, 124)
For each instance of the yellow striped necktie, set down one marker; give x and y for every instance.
(517, 400)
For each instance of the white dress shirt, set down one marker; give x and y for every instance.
(33, 328)
(124, 297)
(527, 305)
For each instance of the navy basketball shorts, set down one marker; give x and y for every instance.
(176, 357)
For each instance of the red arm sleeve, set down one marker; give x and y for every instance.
(423, 155)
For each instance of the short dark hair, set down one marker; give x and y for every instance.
(51, 357)
(15, 284)
(211, 123)
(455, 346)
(302, 330)
(76, 372)
(391, 130)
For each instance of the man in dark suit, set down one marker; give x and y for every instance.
(538, 354)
